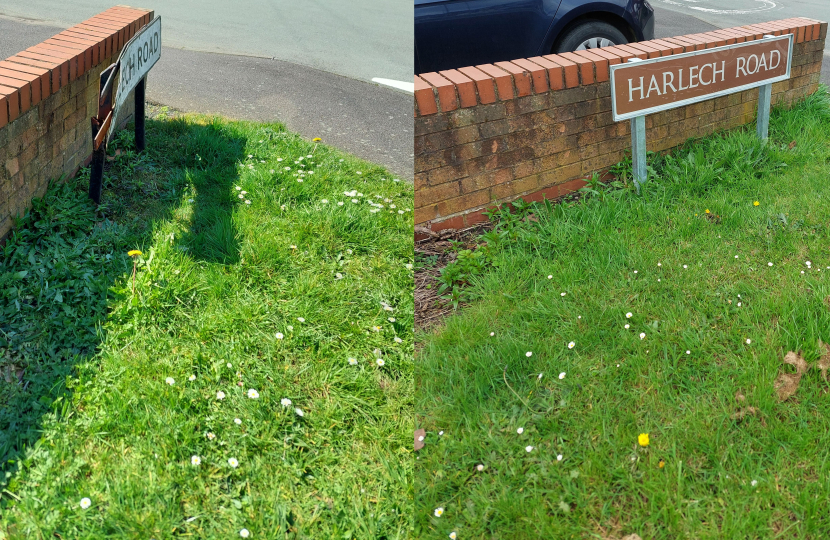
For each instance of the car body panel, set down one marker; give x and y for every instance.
(457, 33)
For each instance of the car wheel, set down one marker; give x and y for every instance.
(590, 35)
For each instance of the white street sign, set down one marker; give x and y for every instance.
(138, 56)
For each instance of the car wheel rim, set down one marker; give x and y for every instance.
(595, 43)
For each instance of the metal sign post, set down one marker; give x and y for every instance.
(640, 87)
(137, 57)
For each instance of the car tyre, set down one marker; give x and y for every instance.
(590, 35)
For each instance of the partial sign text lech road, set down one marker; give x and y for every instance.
(136, 59)
(649, 86)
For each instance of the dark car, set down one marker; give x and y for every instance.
(457, 33)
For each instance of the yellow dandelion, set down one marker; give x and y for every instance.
(316, 139)
(642, 438)
(707, 211)
(661, 463)
(133, 252)
(756, 203)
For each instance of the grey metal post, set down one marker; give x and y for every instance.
(638, 146)
(764, 104)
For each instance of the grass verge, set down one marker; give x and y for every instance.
(667, 314)
(219, 395)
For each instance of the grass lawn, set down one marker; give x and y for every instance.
(541, 383)
(259, 377)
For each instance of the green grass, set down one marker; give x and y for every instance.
(612, 253)
(217, 281)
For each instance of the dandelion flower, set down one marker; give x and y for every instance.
(352, 361)
(195, 460)
(85, 503)
(438, 511)
(561, 375)
(380, 362)
(210, 436)
(299, 412)
(316, 139)
(571, 345)
(528, 449)
(529, 354)
(642, 335)
(170, 381)
(756, 203)
(279, 335)
(233, 462)
(244, 533)
(479, 467)
(661, 464)
(133, 252)
(237, 421)
(220, 395)
(629, 315)
(520, 430)
(285, 402)
(642, 438)
(253, 394)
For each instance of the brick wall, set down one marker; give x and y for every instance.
(537, 127)
(48, 93)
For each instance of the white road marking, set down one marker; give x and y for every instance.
(400, 85)
(766, 5)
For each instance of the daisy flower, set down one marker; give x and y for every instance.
(571, 345)
(279, 335)
(398, 340)
(233, 462)
(170, 381)
(85, 503)
(748, 341)
(220, 395)
(391, 319)
(210, 436)
(453, 535)
(244, 533)
(192, 378)
(237, 421)
(300, 319)
(561, 375)
(520, 430)
(253, 394)
(529, 354)
(528, 449)
(562, 294)
(627, 326)
(438, 511)
(380, 362)
(642, 335)
(559, 457)
(299, 412)
(195, 460)
(352, 361)
(629, 315)
(285, 402)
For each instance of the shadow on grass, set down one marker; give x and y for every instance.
(59, 264)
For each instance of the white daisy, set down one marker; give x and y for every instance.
(642, 335)
(529, 354)
(279, 335)
(380, 362)
(439, 510)
(528, 448)
(244, 533)
(352, 361)
(629, 315)
(479, 467)
(562, 294)
(85, 503)
(210, 436)
(688, 352)
(627, 326)
(748, 341)
(398, 340)
(170, 381)
(299, 412)
(520, 430)
(571, 345)
(285, 402)
(300, 319)
(754, 483)
(233, 462)
(237, 421)
(220, 395)
(253, 394)
(453, 535)
(195, 460)
(561, 375)
(391, 319)
(192, 378)
(769, 264)
(559, 457)
(325, 201)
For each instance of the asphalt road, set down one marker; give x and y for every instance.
(676, 17)
(368, 120)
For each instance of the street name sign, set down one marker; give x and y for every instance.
(137, 57)
(654, 85)
(641, 87)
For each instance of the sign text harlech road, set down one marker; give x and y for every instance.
(649, 86)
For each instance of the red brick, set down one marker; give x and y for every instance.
(504, 83)
(446, 91)
(569, 187)
(651, 52)
(12, 96)
(688, 46)
(665, 49)
(521, 78)
(555, 72)
(537, 74)
(612, 57)
(484, 84)
(456, 222)
(600, 64)
(674, 48)
(465, 86)
(571, 69)
(424, 97)
(631, 52)
(586, 67)
(713, 40)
